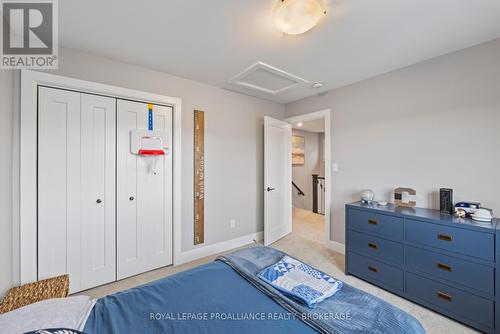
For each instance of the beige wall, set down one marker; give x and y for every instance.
(302, 174)
(431, 125)
(233, 139)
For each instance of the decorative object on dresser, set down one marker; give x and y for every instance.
(446, 200)
(482, 215)
(460, 213)
(402, 197)
(439, 261)
(468, 207)
(367, 196)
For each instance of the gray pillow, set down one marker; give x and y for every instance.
(71, 312)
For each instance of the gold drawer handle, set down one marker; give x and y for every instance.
(375, 270)
(444, 237)
(444, 267)
(372, 245)
(372, 222)
(444, 296)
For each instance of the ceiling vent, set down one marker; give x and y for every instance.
(266, 79)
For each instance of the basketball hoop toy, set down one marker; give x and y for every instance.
(154, 149)
(149, 144)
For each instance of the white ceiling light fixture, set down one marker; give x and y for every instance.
(299, 124)
(295, 17)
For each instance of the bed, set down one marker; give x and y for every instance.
(179, 303)
(224, 296)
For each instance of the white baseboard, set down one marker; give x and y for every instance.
(337, 247)
(220, 247)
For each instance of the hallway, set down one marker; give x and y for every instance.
(308, 224)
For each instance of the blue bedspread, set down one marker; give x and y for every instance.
(225, 297)
(212, 289)
(366, 313)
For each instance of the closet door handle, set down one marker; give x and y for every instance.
(99, 201)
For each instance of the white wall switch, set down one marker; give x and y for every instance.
(232, 223)
(335, 167)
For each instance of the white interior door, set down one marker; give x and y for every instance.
(144, 197)
(277, 179)
(76, 185)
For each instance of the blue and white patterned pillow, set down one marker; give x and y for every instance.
(300, 281)
(55, 331)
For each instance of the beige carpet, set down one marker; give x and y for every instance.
(306, 243)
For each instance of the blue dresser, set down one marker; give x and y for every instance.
(436, 260)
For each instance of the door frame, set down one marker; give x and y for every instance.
(326, 115)
(24, 241)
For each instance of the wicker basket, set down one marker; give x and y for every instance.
(56, 287)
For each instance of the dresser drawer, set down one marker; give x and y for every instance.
(367, 244)
(473, 275)
(377, 224)
(375, 270)
(467, 242)
(460, 303)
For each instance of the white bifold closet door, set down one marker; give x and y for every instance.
(76, 187)
(144, 194)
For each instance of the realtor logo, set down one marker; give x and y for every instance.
(29, 34)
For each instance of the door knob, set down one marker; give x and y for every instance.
(99, 201)
(270, 189)
(131, 198)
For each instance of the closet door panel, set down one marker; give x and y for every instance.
(144, 221)
(160, 186)
(76, 170)
(59, 185)
(128, 232)
(98, 253)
